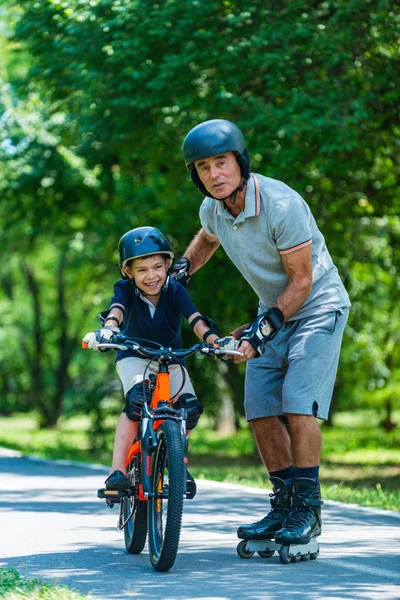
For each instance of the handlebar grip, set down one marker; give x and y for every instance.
(85, 344)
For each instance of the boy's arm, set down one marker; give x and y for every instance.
(202, 326)
(114, 317)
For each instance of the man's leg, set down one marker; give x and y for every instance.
(274, 446)
(263, 405)
(306, 440)
(273, 442)
(313, 357)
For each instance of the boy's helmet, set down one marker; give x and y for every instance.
(211, 138)
(142, 241)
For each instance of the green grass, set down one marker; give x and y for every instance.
(15, 587)
(360, 462)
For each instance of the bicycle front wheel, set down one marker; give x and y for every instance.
(166, 506)
(135, 530)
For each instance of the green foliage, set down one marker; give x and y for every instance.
(96, 98)
(15, 587)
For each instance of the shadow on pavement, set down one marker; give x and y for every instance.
(112, 574)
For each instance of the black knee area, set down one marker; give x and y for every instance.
(134, 401)
(194, 409)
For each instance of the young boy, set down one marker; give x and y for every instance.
(148, 304)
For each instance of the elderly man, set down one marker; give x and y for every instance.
(293, 346)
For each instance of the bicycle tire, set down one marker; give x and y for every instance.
(166, 506)
(135, 531)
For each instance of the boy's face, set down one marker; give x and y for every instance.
(149, 273)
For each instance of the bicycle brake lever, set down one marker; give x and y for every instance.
(229, 352)
(117, 346)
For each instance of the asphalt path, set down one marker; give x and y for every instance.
(53, 527)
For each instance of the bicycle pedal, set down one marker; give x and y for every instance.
(191, 489)
(112, 503)
(113, 495)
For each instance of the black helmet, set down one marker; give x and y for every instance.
(211, 138)
(142, 241)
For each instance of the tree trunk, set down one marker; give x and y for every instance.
(34, 356)
(225, 423)
(387, 422)
(65, 346)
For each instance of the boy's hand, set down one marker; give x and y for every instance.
(100, 336)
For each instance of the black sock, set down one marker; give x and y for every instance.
(308, 472)
(286, 474)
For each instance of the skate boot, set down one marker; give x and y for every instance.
(300, 530)
(257, 536)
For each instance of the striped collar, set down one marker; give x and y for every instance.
(251, 202)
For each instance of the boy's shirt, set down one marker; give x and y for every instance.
(164, 326)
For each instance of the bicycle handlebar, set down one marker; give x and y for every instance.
(124, 343)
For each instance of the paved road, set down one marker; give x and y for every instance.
(53, 527)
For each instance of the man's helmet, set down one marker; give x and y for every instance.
(142, 241)
(211, 138)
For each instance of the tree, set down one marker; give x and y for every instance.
(95, 121)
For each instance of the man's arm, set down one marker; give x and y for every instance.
(298, 267)
(201, 249)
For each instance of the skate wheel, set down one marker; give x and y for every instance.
(296, 558)
(266, 553)
(306, 556)
(242, 550)
(284, 555)
(314, 555)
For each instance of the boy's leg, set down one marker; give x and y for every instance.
(124, 435)
(130, 371)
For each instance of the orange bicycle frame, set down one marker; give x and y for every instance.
(161, 394)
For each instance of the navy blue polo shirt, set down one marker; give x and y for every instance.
(164, 327)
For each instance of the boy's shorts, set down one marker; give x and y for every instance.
(131, 370)
(297, 372)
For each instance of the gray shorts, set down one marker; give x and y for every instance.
(297, 371)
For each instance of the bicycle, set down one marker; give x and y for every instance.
(156, 462)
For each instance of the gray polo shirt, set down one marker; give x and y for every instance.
(275, 221)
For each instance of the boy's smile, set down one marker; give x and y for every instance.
(150, 274)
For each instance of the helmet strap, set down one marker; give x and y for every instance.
(233, 195)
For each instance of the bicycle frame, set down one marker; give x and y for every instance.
(160, 401)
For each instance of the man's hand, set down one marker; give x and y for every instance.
(180, 271)
(100, 336)
(263, 329)
(227, 343)
(248, 352)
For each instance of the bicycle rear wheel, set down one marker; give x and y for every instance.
(166, 506)
(135, 530)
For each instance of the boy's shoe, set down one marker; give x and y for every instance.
(117, 481)
(191, 487)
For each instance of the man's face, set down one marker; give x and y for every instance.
(149, 273)
(219, 174)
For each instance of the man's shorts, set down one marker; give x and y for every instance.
(297, 372)
(131, 370)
